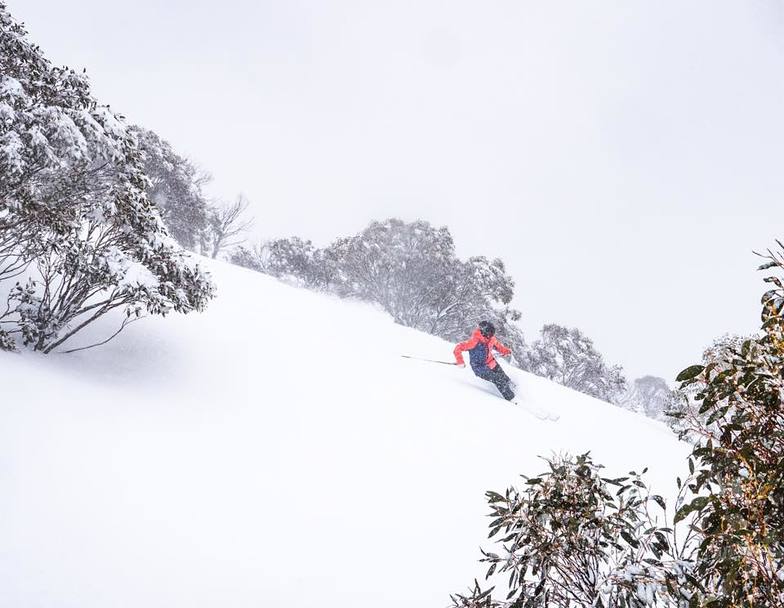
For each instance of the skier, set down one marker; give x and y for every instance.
(480, 349)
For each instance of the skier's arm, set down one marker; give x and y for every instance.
(463, 346)
(505, 352)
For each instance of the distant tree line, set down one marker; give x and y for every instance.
(568, 357)
(411, 270)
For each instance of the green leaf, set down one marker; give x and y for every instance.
(629, 539)
(682, 513)
(699, 503)
(659, 501)
(689, 373)
(767, 265)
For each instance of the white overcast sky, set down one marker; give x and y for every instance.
(623, 158)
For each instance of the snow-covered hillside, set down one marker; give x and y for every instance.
(274, 451)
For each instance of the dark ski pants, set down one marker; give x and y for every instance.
(498, 377)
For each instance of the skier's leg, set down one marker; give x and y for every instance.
(501, 380)
(506, 392)
(503, 383)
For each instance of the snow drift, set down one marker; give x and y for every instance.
(274, 451)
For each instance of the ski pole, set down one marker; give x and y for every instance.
(429, 360)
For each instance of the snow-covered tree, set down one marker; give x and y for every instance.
(295, 259)
(290, 259)
(649, 395)
(253, 258)
(412, 271)
(722, 347)
(568, 357)
(226, 224)
(78, 235)
(396, 264)
(480, 288)
(175, 187)
(685, 406)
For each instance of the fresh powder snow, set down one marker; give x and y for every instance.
(276, 450)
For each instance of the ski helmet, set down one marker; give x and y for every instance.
(487, 329)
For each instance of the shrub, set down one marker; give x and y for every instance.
(78, 235)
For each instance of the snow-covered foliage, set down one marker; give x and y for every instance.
(649, 395)
(723, 347)
(572, 538)
(685, 405)
(568, 357)
(737, 490)
(293, 260)
(76, 226)
(410, 269)
(226, 223)
(175, 188)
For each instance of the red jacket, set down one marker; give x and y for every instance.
(481, 350)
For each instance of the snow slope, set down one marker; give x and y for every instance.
(273, 451)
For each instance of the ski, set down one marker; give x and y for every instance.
(540, 413)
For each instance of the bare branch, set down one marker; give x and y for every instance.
(228, 222)
(126, 322)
